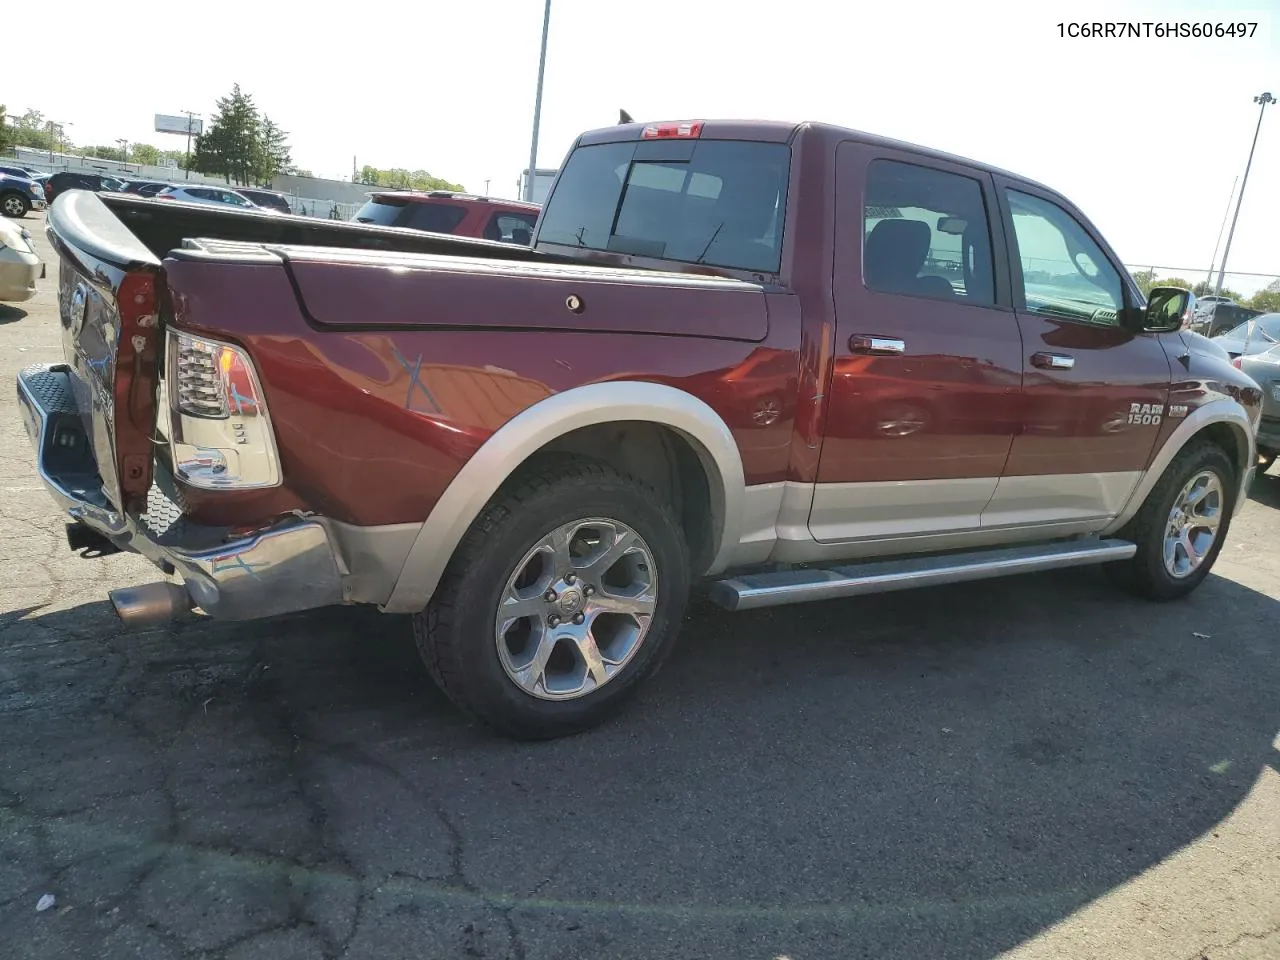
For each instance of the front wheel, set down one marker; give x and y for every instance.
(566, 592)
(1180, 529)
(14, 205)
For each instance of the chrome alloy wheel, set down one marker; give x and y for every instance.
(576, 609)
(1193, 524)
(13, 206)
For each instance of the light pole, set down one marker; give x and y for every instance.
(55, 126)
(191, 122)
(124, 150)
(1208, 279)
(1266, 99)
(537, 105)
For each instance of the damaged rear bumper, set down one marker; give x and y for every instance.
(292, 566)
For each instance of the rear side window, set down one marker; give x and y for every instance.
(925, 234)
(435, 217)
(511, 227)
(384, 211)
(718, 202)
(403, 212)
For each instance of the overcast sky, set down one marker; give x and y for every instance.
(1145, 135)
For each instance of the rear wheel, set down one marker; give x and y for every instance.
(566, 593)
(14, 205)
(1181, 526)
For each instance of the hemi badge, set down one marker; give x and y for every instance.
(1177, 410)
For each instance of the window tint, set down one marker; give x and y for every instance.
(925, 234)
(719, 202)
(436, 217)
(1064, 273)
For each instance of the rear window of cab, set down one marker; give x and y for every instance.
(715, 202)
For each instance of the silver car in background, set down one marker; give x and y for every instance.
(218, 196)
(1264, 368)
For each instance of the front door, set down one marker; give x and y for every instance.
(1094, 393)
(923, 400)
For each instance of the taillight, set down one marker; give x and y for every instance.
(220, 433)
(688, 129)
(1235, 362)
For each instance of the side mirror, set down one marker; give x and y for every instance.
(1165, 309)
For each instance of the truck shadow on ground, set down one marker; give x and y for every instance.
(1266, 488)
(938, 773)
(11, 314)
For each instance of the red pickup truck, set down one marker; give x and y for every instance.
(790, 362)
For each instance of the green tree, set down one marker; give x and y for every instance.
(1205, 288)
(230, 145)
(6, 135)
(1268, 300)
(272, 152)
(34, 131)
(105, 153)
(399, 178)
(144, 153)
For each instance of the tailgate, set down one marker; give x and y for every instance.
(108, 290)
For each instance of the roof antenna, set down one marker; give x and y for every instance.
(624, 117)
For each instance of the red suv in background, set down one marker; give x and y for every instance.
(461, 214)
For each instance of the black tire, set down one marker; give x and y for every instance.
(14, 205)
(1145, 573)
(456, 633)
(1266, 458)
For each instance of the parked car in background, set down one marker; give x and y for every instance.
(267, 199)
(221, 196)
(77, 180)
(461, 214)
(1221, 317)
(1256, 335)
(1204, 303)
(144, 188)
(20, 266)
(17, 170)
(1264, 368)
(20, 195)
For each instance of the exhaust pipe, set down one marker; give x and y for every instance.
(150, 604)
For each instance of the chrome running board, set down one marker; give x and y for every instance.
(775, 588)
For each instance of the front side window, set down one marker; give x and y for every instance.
(717, 202)
(1065, 274)
(925, 234)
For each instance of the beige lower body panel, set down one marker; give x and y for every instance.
(807, 523)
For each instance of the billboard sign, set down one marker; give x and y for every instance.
(170, 124)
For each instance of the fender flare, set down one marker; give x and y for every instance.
(533, 428)
(1223, 410)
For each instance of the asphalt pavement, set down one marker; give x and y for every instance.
(1032, 767)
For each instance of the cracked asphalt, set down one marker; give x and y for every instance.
(1037, 767)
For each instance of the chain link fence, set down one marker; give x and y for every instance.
(1259, 290)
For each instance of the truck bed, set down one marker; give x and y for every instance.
(162, 226)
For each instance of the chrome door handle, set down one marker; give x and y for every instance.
(1052, 361)
(867, 343)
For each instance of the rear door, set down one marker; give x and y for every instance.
(108, 305)
(1094, 393)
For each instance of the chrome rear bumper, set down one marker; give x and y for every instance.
(293, 566)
